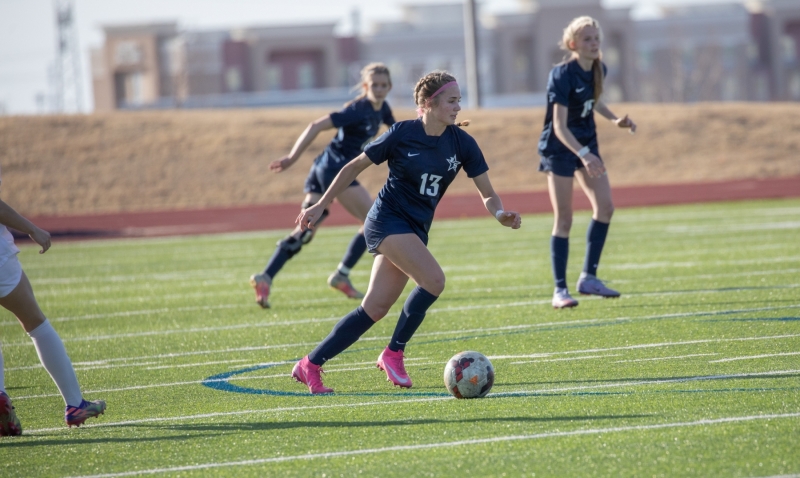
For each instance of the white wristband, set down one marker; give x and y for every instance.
(499, 213)
(583, 152)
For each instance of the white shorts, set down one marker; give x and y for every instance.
(10, 274)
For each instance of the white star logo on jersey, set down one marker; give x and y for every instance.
(453, 163)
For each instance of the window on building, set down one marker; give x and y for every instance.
(233, 79)
(305, 76)
(274, 77)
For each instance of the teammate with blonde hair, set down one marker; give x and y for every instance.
(568, 145)
(357, 124)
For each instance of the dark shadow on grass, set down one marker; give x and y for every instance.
(764, 319)
(13, 443)
(282, 425)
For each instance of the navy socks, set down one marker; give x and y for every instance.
(417, 304)
(559, 253)
(276, 262)
(354, 252)
(595, 240)
(344, 334)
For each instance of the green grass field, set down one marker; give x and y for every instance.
(695, 371)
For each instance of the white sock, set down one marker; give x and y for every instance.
(54, 357)
(2, 373)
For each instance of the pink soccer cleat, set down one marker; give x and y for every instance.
(341, 282)
(310, 374)
(392, 363)
(261, 283)
(9, 423)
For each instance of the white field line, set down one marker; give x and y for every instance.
(636, 383)
(430, 446)
(181, 418)
(646, 346)
(751, 357)
(587, 357)
(106, 362)
(201, 364)
(166, 310)
(674, 357)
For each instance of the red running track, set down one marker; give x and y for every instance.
(281, 216)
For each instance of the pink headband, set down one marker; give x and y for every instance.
(420, 111)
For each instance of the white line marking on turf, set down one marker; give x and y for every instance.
(566, 359)
(750, 357)
(664, 358)
(429, 446)
(646, 346)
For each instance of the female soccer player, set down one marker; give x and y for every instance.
(568, 144)
(16, 295)
(357, 123)
(424, 157)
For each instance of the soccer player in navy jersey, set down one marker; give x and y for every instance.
(357, 125)
(424, 156)
(568, 145)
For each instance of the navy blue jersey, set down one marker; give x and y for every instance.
(421, 167)
(569, 85)
(358, 124)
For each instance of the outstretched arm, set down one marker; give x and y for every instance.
(493, 203)
(305, 139)
(623, 122)
(11, 218)
(350, 171)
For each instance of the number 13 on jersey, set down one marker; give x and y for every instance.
(433, 188)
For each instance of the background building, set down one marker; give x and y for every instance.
(715, 52)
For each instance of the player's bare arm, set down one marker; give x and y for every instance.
(302, 143)
(493, 203)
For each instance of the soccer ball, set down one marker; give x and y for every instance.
(469, 375)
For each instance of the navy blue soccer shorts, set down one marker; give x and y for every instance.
(378, 229)
(319, 179)
(563, 165)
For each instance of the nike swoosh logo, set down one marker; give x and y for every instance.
(394, 374)
(578, 90)
(410, 155)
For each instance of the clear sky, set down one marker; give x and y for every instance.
(28, 32)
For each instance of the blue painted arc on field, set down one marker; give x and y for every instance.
(221, 382)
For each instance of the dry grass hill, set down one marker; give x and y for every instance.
(193, 159)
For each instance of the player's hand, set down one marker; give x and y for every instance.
(626, 122)
(41, 237)
(511, 219)
(594, 167)
(280, 164)
(308, 218)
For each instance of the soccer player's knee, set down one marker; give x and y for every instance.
(435, 285)
(291, 245)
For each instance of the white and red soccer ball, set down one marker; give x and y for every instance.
(469, 375)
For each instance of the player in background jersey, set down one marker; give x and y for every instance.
(568, 148)
(424, 156)
(16, 296)
(357, 124)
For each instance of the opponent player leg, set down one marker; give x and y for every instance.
(598, 191)
(386, 285)
(560, 189)
(357, 202)
(410, 255)
(285, 249)
(22, 303)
